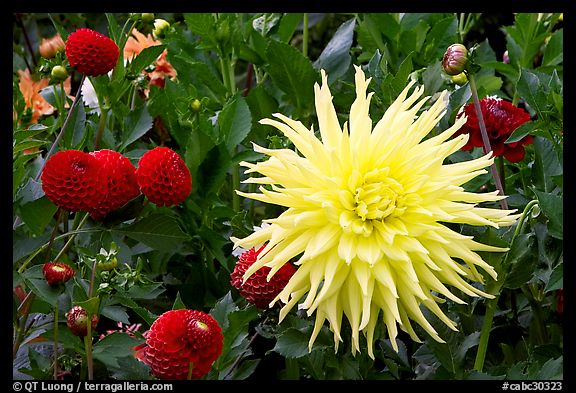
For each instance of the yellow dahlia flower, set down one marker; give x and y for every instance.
(366, 209)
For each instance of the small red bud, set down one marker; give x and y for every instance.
(455, 59)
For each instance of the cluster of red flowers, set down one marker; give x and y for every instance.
(102, 181)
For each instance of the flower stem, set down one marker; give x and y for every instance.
(485, 334)
(491, 305)
(101, 127)
(88, 348)
(56, 341)
(485, 139)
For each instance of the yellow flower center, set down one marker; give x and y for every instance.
(373, 196)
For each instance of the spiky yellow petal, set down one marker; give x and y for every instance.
(366, 209)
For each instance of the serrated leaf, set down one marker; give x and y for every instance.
(222, 308)
(531, 89)
(146, 57)
(554, 51)
(138, 123)
(521, 260)
(38, 214)
(159, 231)
(129, 368)
(556, 280)
(113, 346)
(292, 343)
(292, 72)
(553, 207)
(235, 122)
(115, 313)
(546, 164)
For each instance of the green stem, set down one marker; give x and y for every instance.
(485, 334)
(485, 139)
(536, 314)
(190, 369)
(56, 341)
(305, 34)
(25, 308)
(72, 235)
(491, 305)
(501, 172)
(88, 348)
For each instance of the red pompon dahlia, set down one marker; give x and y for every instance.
(257, 289)
(71, 180)
(91, 52)
(57, 272)
(118, 175)
(501, 119)
(182, 344)
(77, 321)
(163, 177)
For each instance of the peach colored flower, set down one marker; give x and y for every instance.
(162, 68)
(31, 88)
(50, 46)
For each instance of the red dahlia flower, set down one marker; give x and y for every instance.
(180, 341)
(257, 289)
(501, 118)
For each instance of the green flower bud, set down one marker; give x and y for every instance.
(460, 79)
(455, 59)
(59, 73)
(160, 28)
(108, 264)
(195, 105)
(147, 18)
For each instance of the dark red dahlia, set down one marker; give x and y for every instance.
(91, 52)
(70, 180)
(182, 344)
(57, 272)
(119, 181)
(164, 177)
(257, 289)
(501, 118)
(77, 321)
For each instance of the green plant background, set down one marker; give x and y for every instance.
(242, 68)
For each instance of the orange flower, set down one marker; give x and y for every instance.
(162, 68)
(31, 91)
(50, 46)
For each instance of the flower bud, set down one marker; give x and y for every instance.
(460, 79)
(59, 73)
(160, 28)
(50, 46)
(506, 58)
(455, 59)
(147, 18)
(195, 105)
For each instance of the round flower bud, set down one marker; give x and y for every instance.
(455, 59)
(195, 105)
(147, 18)
(460, 79)
(59, 73)
(506, 58)
(160, 28)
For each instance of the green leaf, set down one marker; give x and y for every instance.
(91, 305)
(116, 313)
(556, 280)
(335, 59)
(292, 343)
(292, 72)
(521, 132)
(553, 208)
(31, 191)
(145, 291)
(138, 122)
(532, 90)
(145, 58)
(130, 369)
(546, 164)
(521, 261)
(287, 25)
(222, 308)
(554, 52)
(114, 346)
(159, 231)
(178, 303)
(38, 214)
(142, 312)
(235, 122)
